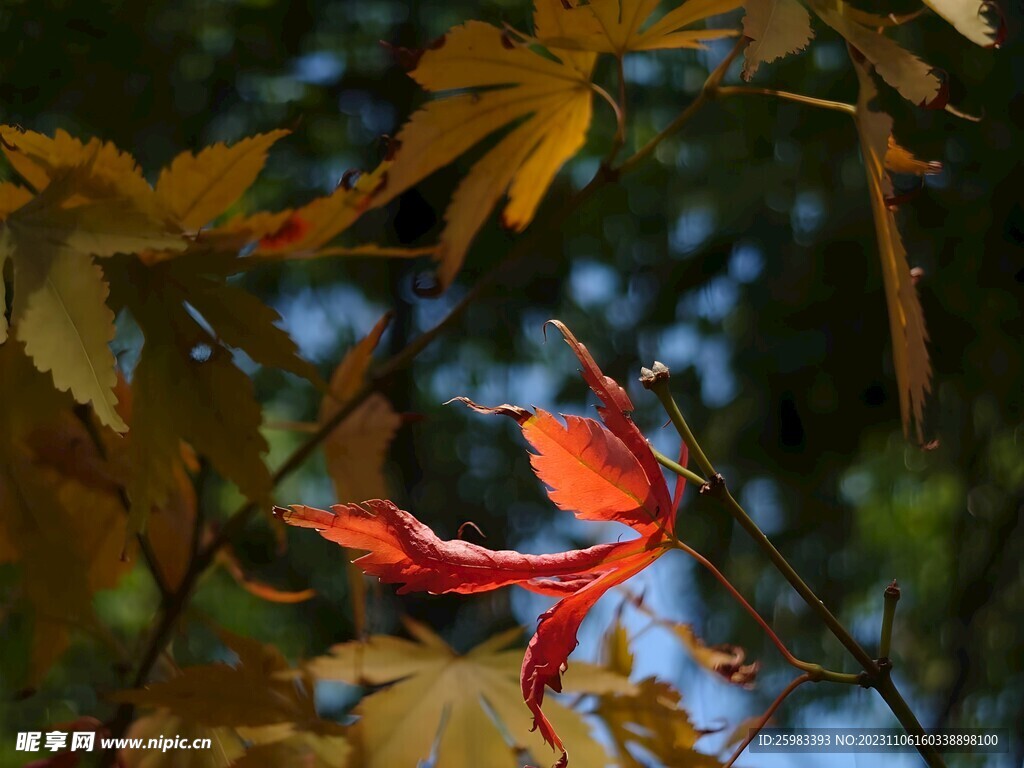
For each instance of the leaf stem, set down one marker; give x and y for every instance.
(763, 720)
(742, 90)
(678, 468)
(661, 389)
(620, 120)
(814, 671)
(711, 86)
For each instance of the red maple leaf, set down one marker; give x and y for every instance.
(598, 471)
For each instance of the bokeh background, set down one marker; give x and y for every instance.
(742, 255)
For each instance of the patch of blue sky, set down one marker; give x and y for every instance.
(643, 70)
(807, 214)
(717, 382)
(746, 262)
(582, 170)
(319, 318)
(692, 229)
(714, 300)
(760, 497)
(319, 67)
(592, 284)
(829, 55)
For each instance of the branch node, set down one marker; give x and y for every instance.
(658, 372)
(715, 486)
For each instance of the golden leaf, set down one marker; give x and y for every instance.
(459, 705)
(501, 84)
(776, 28)
(906, 320)
(259, 690)
(616, 26)
(980, 21)
(195, 189)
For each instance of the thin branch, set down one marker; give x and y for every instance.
(877, 676)
(660, 388)
(763, 721)
(741, 90)
(678, 468)
(891, 596)
(152, 562)
(706, 94)
(813, 671)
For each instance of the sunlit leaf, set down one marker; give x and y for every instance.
(980, 21)
(491, 82)
(463, 704)
(195, 189)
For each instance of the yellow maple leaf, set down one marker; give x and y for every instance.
(299, 750)
(355, 449)
(260, 689)
(653, 720)
(617, 26)
(39, 159)
(226, 745)
(186, 387)
(906, 319)
(647, 714)
(436, 704)
(724, 660)
(68, 539)
(775, 28)
(90, 206)
(12, 197)
(900, 160)
(492, 82)
(195, 189)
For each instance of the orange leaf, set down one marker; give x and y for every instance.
(587, 468)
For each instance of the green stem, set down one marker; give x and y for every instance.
(892, 596)
(877, 675)
(707, 93)
(679, 469)
(815, 672)
(660, 388)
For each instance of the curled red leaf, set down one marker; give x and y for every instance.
(599, 471)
